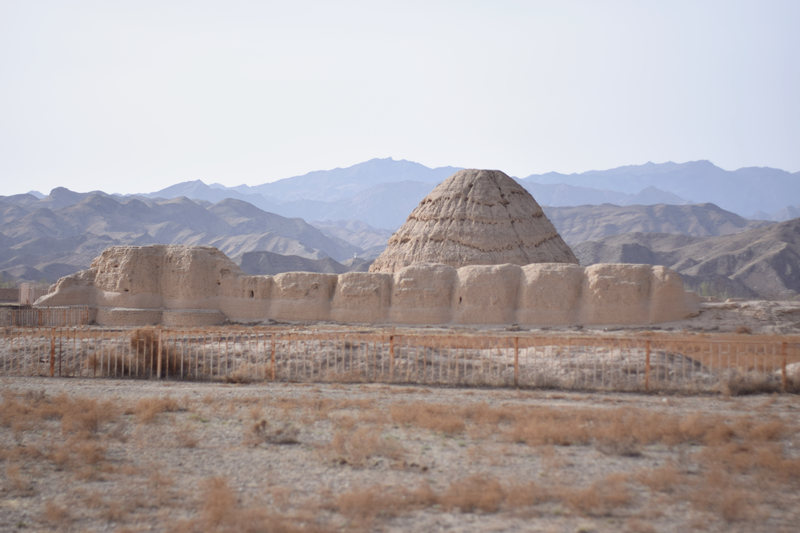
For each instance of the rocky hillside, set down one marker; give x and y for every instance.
(763, 262)
(718, 252)
(269, 263)
(593, 222)
(44, 239)
(357, 233)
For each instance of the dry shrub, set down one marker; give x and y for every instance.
(84, 415)
(767, 459)
(601, 498)
(528, 495)
(263, 432)
(434, 417)
(141, 361)
(15, 414)
(57, 514)
(719, 494)
(111, 363)
(548, 426)
(356, 447)
(115, 511)
(186, 437)
(147, 409)
(221, 512)
(146, 345)
(22, 412)
(762, 431)
(636, 525)
(479, 492)
(160, 482)
(482, 413)
(88, 452)
(662, 479)
(245, 373)
(78, 416)
(86, 459)
(363, 505)
(219, 502)
(368, 503)
(17, 482)
(736, 383)
(617, 431)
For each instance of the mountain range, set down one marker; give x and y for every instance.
(763, 262)
(44, 239)
(630, 214)
(381, 192)
(751, 192)
(591, 222)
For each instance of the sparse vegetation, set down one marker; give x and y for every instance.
(212, 457)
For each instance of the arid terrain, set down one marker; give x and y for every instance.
(131, 455)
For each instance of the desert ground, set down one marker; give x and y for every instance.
(132, 455)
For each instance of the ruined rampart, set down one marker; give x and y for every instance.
(177, 285)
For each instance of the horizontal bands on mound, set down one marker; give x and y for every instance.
(475, 217)
(425, 218)
(463, 247)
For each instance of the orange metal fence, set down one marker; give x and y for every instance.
(652, 362)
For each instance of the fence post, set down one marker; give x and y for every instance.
(516, 361)
(158, 360)
(52, 352)
(784, 378)
(391, 358)
(647, 365)
(272, 357)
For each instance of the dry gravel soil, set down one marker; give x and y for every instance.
(127, 455)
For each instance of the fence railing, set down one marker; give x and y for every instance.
(21, 316)
(652, 362)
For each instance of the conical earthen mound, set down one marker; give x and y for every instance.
(475, 217)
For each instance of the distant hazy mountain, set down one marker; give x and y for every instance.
(762, 262)
(745, 191)
(593, 222)
(382, 192)
(371, 240)
(269, 263)
(569, 195)
(44, 239)
(198, 190)
(340, 183)
(787, 213)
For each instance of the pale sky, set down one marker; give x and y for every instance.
(132, 96)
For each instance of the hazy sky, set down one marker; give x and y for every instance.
(132, 96)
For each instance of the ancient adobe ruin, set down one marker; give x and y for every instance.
(475, 217)
(477, 251)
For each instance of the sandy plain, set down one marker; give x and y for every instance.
(127, 455)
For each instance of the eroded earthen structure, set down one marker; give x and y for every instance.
(475, 217)
(477, 250)
(192, 286)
